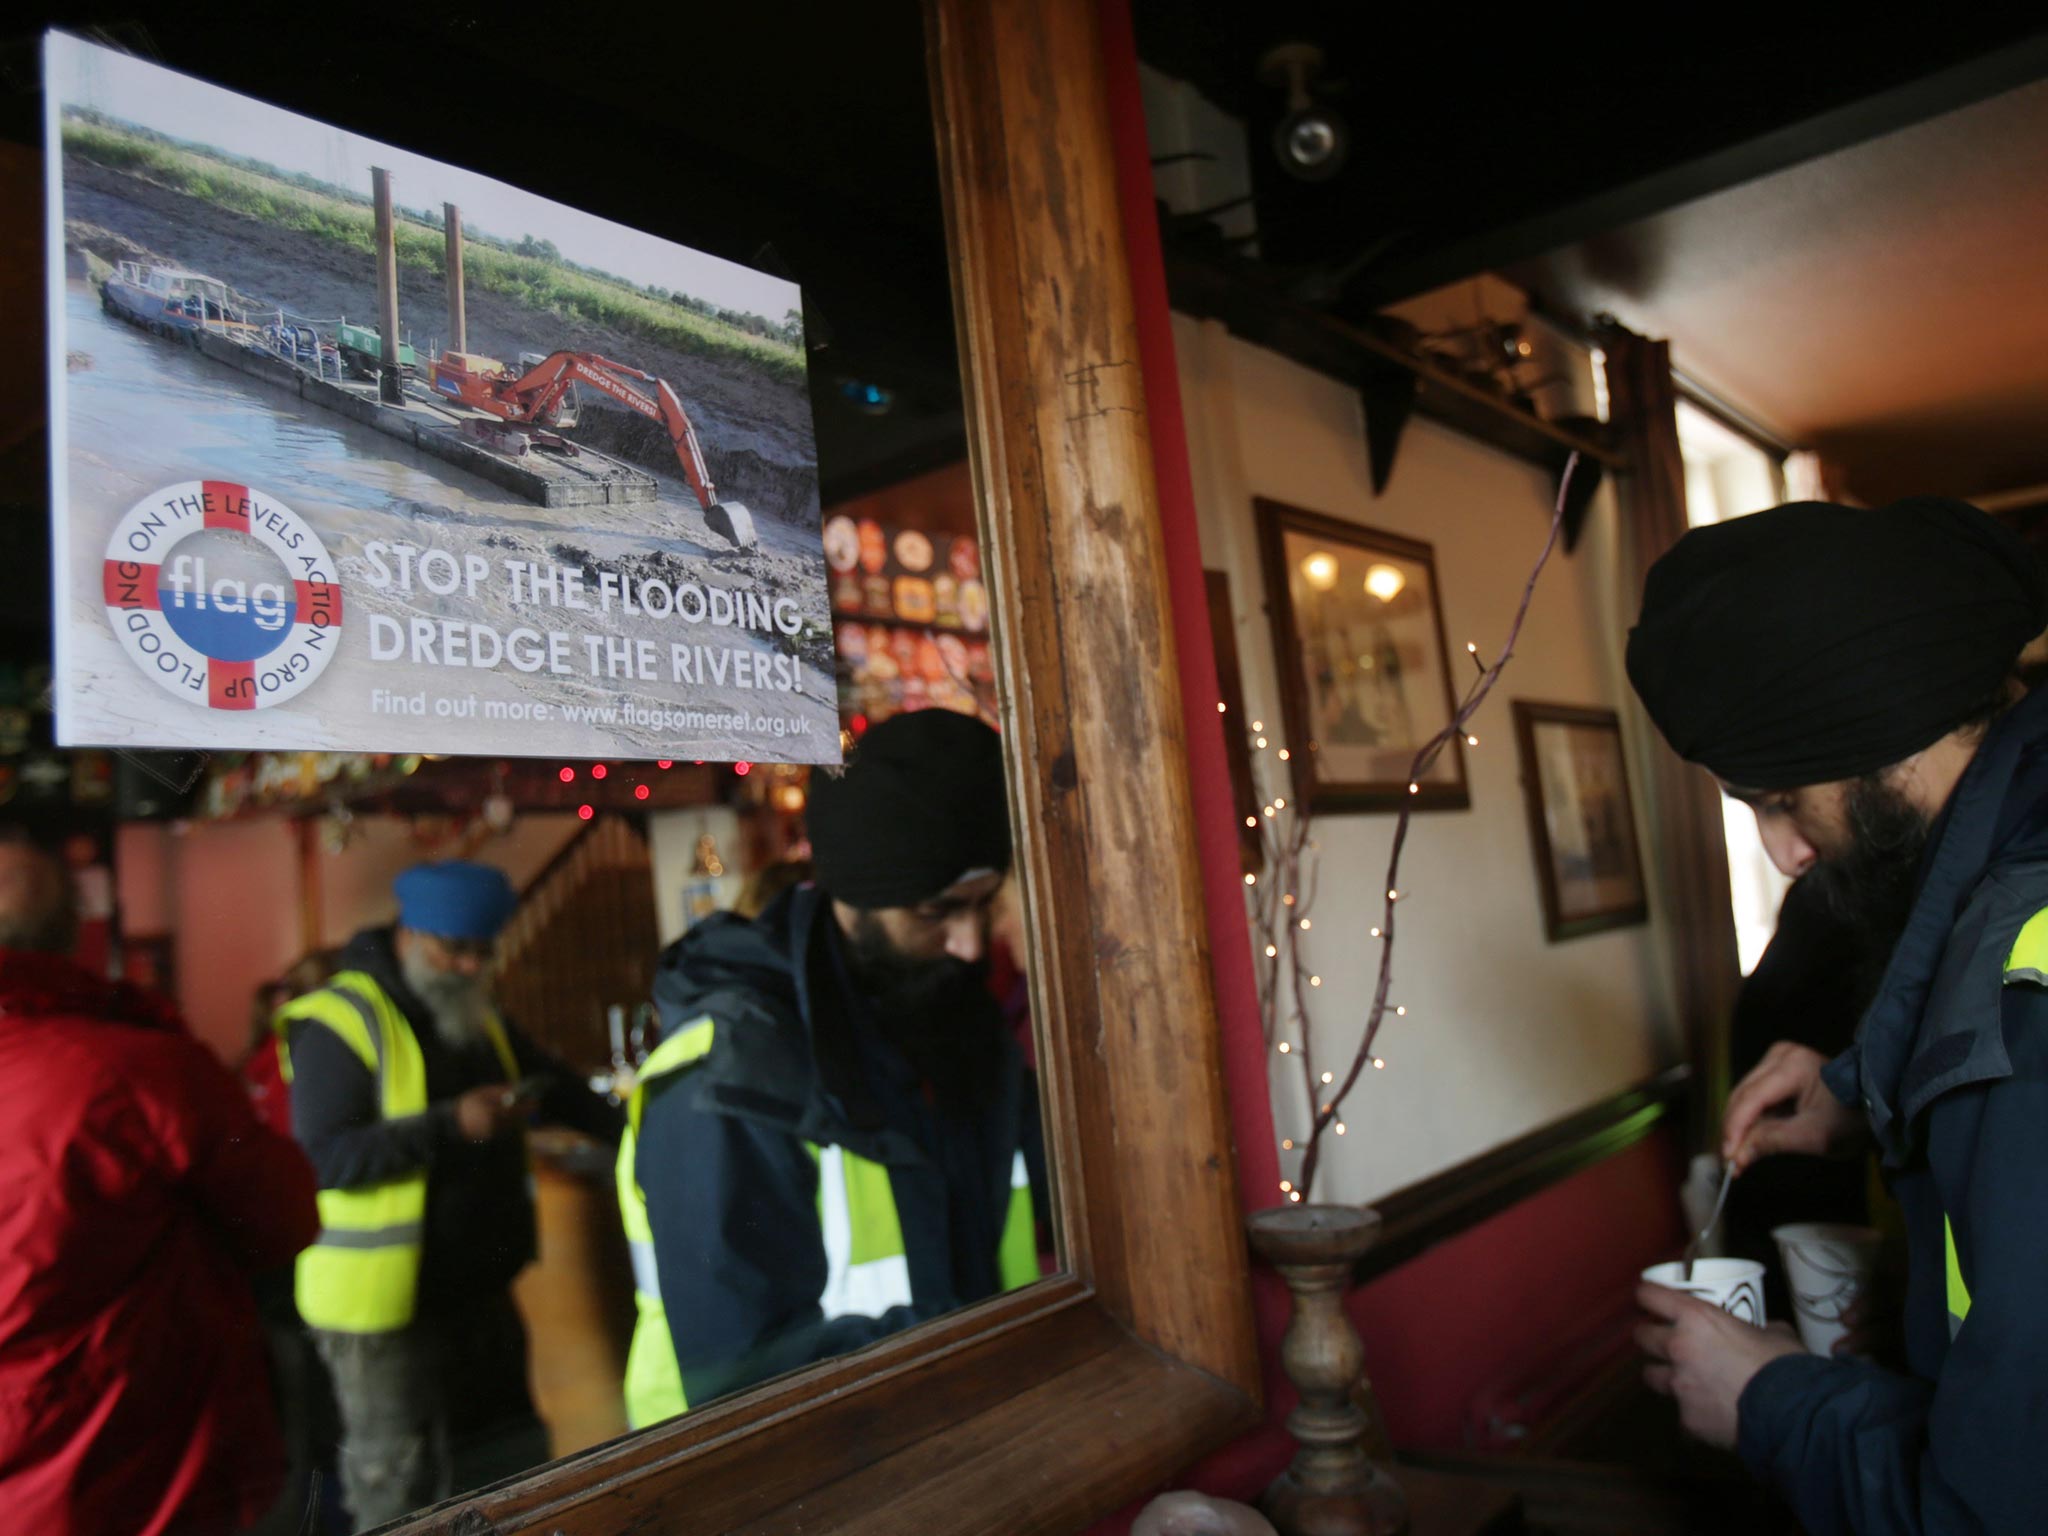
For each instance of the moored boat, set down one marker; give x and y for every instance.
(171, 300)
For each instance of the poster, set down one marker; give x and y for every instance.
(590, 529)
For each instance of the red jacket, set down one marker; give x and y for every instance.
(137, 1193)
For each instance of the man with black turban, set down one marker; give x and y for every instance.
(836, 1137)
(1848, 675)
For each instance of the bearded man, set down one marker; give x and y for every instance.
(1849, 675)
(837, 1136)
(410, 1095)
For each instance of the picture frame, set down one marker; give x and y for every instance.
(1589, 867)
(1365, 672)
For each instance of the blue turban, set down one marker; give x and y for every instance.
(454, 900)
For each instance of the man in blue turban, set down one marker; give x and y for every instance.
(410, 1094)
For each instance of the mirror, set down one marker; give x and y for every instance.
(630, 1081)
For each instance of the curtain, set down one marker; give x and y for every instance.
(1691, 876)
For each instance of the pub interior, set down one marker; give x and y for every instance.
(1181, 392)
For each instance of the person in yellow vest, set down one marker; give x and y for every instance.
(410, 1094)
(836, 1137)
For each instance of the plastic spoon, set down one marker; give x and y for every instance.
(1692, 1249)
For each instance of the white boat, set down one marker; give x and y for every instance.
(171, 300)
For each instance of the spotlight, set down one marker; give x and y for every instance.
(1311, 142)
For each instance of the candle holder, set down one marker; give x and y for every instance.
(1333, 1487)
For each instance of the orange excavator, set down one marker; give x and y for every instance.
(532, 403)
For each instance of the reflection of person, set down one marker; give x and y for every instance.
(832, 1140)
(1846, 673)
(261, 1071)
(403, 1092)
(141, 1194)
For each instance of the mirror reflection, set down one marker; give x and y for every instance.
(447, 1114)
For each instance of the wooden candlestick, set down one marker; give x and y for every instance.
(1333, 1488)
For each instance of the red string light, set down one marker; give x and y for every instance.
(639, 791)
(598, 770)
(743, 769)
(567, 775)
(585, 812)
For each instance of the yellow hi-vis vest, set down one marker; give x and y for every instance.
(362, 1273)
(2026, 964)
(866, 1268)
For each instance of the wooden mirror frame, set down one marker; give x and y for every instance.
(1047, 1408)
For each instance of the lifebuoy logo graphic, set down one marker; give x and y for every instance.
(221, 640)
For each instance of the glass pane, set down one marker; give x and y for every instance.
(452, 705)
(1372, 658)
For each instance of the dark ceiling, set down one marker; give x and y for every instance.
(1486, 137)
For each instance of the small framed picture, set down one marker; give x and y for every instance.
(1365, 677)
(1575, 779)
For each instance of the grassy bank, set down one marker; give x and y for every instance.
(532, 281)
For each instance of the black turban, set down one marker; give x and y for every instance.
(1815, 642)
(921, 803)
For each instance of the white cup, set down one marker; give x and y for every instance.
(1736, 1286)
(1826, 1267)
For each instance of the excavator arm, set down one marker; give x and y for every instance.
(536, 394)
(540, 390)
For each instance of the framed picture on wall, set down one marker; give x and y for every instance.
(1365, 677)
(1575, 779)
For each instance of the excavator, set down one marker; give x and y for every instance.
(533, 402)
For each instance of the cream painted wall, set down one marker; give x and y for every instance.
(1505, 1031)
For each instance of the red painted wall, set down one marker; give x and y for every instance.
(1493, 1304)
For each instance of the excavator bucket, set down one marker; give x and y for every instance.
(733, 522)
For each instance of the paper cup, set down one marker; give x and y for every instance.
(1826, 1268)
(1736, 1286)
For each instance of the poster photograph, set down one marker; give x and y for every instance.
(567, 507)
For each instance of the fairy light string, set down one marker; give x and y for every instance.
(1282, 901)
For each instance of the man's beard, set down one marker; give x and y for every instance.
(1870, 886)
(459, 1004)
(916, 1003)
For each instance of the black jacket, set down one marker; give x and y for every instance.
(479, 1223)
(1951, 1065)
(732, 1193)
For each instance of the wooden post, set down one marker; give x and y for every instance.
(390, 377)
(458, 327)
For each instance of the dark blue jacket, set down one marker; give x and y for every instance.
(1951, 1065)
(732, 1194)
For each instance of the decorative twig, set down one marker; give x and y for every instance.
(1325, 1110)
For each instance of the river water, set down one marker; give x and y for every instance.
(143, 413)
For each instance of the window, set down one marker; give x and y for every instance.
(1727, 474)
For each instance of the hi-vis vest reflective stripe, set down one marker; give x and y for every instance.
(866, 1268)
(2026, 963)
(1958, 1292)
(362, 1273)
